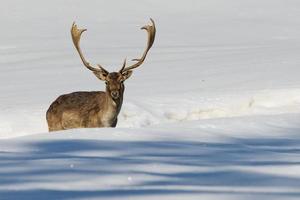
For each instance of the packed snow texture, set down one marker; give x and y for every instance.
(213, 113)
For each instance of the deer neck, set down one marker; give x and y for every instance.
(116, 104)
(112, 109)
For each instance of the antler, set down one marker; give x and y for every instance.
(76, 34)
(151, 30)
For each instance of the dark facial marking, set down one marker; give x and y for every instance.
(114, 84)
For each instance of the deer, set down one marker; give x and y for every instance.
(95, 109)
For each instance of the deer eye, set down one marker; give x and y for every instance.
(106, 82)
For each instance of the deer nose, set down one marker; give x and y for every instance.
(115, 94)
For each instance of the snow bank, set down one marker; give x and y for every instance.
(186, 107)
(229, 158)
(166, 110)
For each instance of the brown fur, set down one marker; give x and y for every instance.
(94, 109)
(88, 109)
(83, 110)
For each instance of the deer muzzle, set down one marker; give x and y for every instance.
(115, 94)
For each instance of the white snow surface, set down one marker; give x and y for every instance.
(212, 114)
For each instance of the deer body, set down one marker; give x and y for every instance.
(83, 109)
(94, 109)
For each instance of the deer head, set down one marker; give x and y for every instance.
(114, 80)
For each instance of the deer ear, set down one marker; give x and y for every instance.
(126, 74)
(101, 75)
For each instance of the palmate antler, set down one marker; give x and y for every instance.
(76, 34)
(151, 30)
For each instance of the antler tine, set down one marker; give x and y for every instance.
(102, 69)
(76, 34)
(151, 30)
(123, 66)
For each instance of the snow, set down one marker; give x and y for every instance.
(213, 113)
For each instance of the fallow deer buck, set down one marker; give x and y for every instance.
(97, 108)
